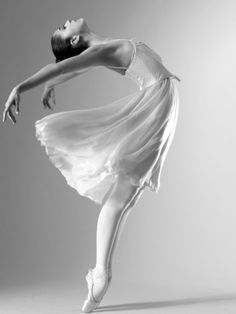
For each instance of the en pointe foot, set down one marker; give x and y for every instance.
(98, 284)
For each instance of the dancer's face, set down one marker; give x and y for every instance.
(71, 28)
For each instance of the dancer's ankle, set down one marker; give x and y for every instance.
(101, 270)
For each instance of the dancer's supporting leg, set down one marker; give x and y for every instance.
(120, 229)
(113, 215)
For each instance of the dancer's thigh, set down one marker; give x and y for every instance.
(124, 194)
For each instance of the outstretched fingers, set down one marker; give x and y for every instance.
(13, 100)
(7, 112)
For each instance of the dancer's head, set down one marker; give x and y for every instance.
(69, 41)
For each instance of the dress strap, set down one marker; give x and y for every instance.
(132, 57)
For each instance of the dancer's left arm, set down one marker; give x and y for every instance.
(93, 56)
(90, 57)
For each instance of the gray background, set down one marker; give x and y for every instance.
(182, 237)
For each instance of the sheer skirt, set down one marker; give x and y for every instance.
(131, 135)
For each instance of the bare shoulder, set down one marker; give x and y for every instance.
(117, 53)
(114, 53)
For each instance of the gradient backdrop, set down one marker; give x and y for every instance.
(185, 235)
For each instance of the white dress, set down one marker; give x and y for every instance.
(131, 135)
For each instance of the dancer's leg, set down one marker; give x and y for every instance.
(110, 217)
(121, 226)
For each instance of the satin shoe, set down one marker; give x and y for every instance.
(91, 303)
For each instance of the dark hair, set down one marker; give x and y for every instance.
(62, 48)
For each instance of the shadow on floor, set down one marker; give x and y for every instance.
(167, 303)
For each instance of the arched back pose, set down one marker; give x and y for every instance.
(111, 153)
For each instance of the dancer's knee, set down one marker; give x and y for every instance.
(124, 195)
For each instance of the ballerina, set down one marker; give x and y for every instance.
(108, 154)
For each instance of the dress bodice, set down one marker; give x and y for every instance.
(146, 66)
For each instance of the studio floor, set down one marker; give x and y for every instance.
(122, 297)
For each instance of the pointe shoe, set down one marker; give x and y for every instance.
(91, 303)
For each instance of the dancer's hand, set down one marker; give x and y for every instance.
(13, 100)
(48, 94)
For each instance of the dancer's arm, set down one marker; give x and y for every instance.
(93, 56)
(48, 72)
(63, 78)
(90, 57)
(49, 92)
